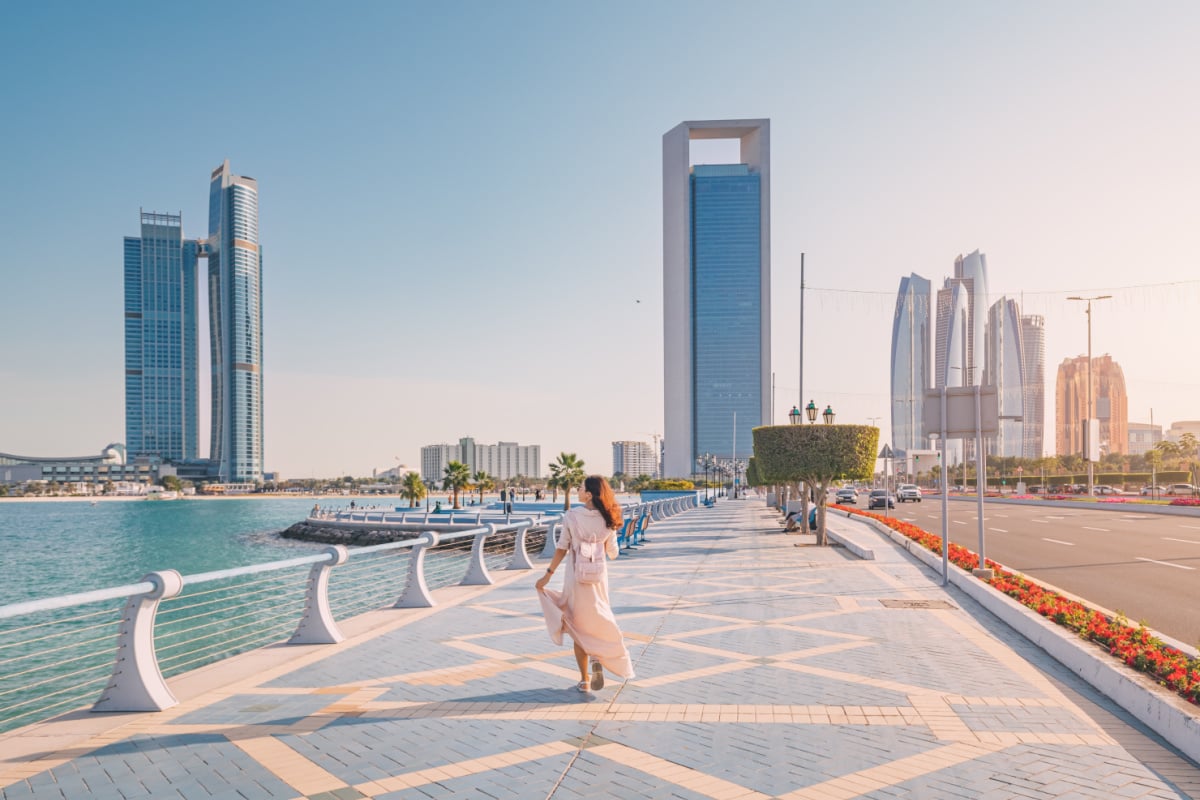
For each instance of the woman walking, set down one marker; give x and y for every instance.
(588, 534)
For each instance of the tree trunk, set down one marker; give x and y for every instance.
(567, 497)
(802, 488)
(822, 495)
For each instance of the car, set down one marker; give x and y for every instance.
(1037, 489)
(908, 493)
(1181, 490)
(846, 496)
(879, 498)
(1153, 491)
(1102, 488)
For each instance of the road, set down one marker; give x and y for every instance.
(1146, 566)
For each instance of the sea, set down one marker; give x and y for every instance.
(57, 661)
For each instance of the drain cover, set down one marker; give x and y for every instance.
(926, 604)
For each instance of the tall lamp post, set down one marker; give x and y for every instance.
(1087, 448)
(811, 411)
(794, 416)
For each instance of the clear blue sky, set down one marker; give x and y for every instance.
(461, 203)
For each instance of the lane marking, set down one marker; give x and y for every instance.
(1040, 521)
(958, 522)
(1104, 530)
(1189, 541)
(998, 530)
(1164, 563)
(1191, 527)
(1000, 515)
(1058, 541)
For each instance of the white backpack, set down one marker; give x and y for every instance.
(589, 558)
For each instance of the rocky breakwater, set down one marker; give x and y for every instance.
(357, 534)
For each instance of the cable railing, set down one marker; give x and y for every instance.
(60, 653)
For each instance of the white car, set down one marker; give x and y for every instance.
(908, 492)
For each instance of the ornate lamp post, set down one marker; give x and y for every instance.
(794, 416)
(811, 411)
(828, 415)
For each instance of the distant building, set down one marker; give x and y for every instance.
(1033, 341)
(1110, 403)
(161, 388)
(1004, 368)
(1178, 429)
(1143, 437)
(634, 459)
(89, 473)
(912, 371)
(235, 327)
(503, 461)
(716, 293)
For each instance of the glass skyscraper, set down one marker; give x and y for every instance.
(716, 294)
(161, 393)
(235, 326)
(1005, 369)
(1033, 341)
(912, 374)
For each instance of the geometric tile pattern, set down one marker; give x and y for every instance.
(765, 670)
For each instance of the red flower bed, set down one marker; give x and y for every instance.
(1185, 501)
(1133, 645)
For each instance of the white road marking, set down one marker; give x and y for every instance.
(958, 522)
(1040, 521)
(1164, 563)
(1058, 541)
(1191, 527)
(1104, 530)
(1189, 541)
(998, 530)
(1000, 515)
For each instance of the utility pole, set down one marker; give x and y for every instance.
(800, 399)
(1087, 439)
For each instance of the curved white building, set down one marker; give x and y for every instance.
(1005, 369)
(912, 373)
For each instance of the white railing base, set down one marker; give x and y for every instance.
(416, 591)
(318, 626)
(137, 683)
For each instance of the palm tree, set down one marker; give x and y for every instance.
(554, 481)
(458, 475)
(569, 473)
(483, 482)
(413, 488)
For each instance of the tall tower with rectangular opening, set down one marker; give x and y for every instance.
(716, 293)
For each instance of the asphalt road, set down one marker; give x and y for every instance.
(1146, 566)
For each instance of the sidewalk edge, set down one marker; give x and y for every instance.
(1164, 712)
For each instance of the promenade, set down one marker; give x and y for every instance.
(763, 670)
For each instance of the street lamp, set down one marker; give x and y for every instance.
(794, 416)
(827, 415)
(811, 411)
(1087, 450)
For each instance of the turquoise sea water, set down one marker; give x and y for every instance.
(53, 548)
(55, 661)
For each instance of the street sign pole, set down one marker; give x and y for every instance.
(945, 500)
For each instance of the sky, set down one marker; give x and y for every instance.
(461, 203)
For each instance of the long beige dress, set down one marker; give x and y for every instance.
(582, 610)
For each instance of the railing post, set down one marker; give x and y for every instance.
(548, 548)
(318, 626)
(477, 571)
(137, 683)
(520, 559)
(416, 591)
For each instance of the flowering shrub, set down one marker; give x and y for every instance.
(1133, 645)
(1185, 501)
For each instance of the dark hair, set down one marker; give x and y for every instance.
(604, 500)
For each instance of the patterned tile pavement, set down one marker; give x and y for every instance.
(764, 670)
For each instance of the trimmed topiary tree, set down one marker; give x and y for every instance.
(816, 455)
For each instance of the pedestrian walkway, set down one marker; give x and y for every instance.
(764, 670)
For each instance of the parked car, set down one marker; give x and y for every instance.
(879, 498)
(908, 493)
(1181, 490)
(846, 496)
(1038, 489)
(1103, 488)
(1148, 491)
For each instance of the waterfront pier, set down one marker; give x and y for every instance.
(763, 670)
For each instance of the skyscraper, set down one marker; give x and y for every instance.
(235, 326)
(1004, 368)
(912, 372)
(1109, 402)
(634, 459)
(161, 393)
(716, 293)
(972, 270)
(1033, 341)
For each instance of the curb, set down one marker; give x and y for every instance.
(1163, 711)
(865, 553)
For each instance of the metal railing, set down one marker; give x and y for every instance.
(57, 652)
